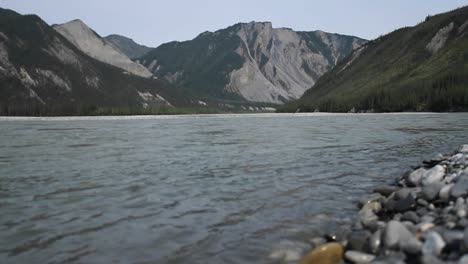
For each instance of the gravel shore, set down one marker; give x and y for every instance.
(421, 218)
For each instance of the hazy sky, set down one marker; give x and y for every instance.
(153, 22)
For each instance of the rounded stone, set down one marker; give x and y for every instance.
(358, 240)
(375, 241)
(397, 236)
(410, 216)
(436, 174)
(460, 188)
(431, 191)
(358, 257)
(444, 193)
(330, 253)
(465, 238)
(434, 244)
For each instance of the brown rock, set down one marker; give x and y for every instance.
(330, 253)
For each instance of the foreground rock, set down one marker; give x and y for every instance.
(420, 219)
(330, 253)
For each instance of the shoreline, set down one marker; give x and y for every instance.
(420, 218)
(227, 115)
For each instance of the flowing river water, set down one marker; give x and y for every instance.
(198, 189)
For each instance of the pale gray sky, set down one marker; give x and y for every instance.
(152, 22)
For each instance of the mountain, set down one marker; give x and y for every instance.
(42, 73)
(96, 47)
(420, 68)
(129, 47)
(249, 62)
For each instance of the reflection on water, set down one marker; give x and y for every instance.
(214, 189)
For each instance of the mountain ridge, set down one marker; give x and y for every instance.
(418, 68)
(91, 43)
(42, 73)
(220, 64)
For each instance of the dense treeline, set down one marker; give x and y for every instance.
(448, 93)
(18, 109)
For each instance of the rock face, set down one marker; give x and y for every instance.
(41, 72)
(96, 47)
(250, 61)
(129, 47)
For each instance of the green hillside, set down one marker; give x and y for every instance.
(420, 68)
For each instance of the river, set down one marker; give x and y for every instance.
(198, 189)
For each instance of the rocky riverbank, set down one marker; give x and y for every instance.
(421, 218)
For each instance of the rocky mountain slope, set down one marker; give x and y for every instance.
(96, 47)
(420, 68)
(129, 47)
(250, 62)
(41, 72)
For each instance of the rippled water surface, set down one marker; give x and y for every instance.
(213, 189)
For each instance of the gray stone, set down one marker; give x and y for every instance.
(410, 216)
(433, 175)
(358, 257)
(386, 190)
(402, 205)
(358, 240)
(397, 236)
(431, 191)
(375, 197)
(463, 149)
(430, 259)
(460, 188)
(444, 193)
(375, 241)
(415, 177)
(463, 260)
(450, 178)
(403, 193)
(422, 202)
(427, 219)
(434, 244)
(452, 236)
(388, 260)
(465, 238)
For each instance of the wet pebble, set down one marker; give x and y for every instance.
(358, 257)
(434, 244)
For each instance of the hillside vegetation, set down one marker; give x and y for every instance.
(421, 68)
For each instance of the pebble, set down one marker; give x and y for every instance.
(402, 205)
(444, 193)
(463, 260)
(465, 238)
(410, 216)
(358, 240)
(422, 218)
(397, 236)
(375, 241)
(433, 175)
(434, 244)
(358, 257)
(415, 178)
(460, 188)
(464, 148)
(330, 253)
(431, 191)
(375, 197)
